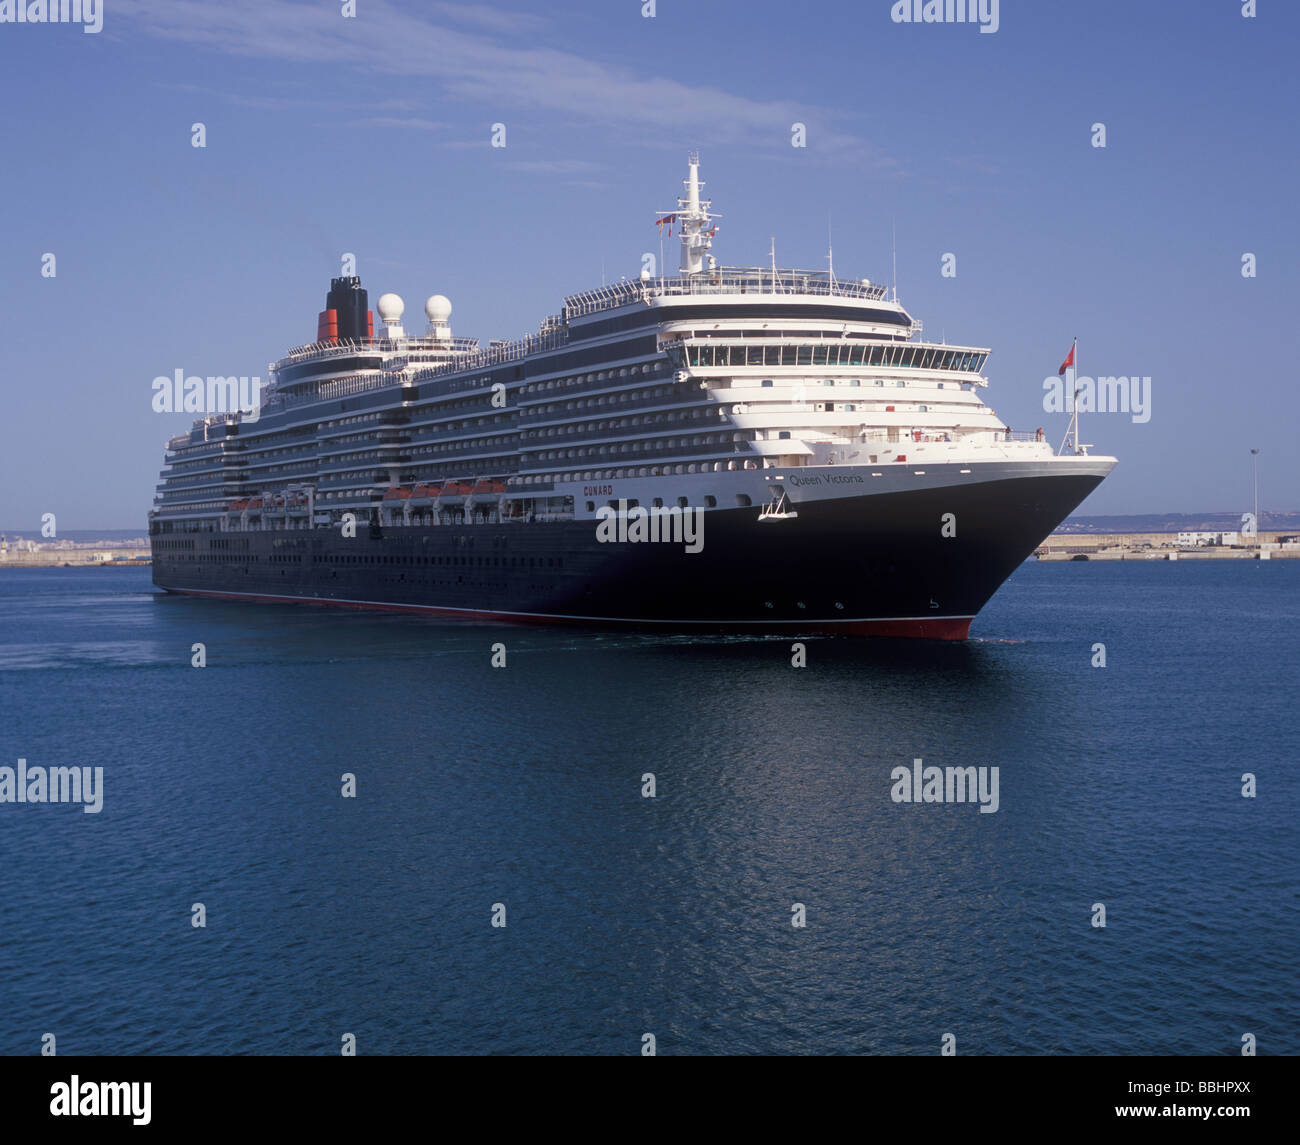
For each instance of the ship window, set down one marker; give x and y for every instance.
(742, 499)
(682, 502)
(658, 502)
(710, 501)
(783, 434)
(804, 356)
(766, 383)
(902, 383)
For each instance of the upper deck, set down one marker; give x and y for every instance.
(724, 280)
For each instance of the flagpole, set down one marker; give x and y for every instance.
(1072, 426)
(1076, 394)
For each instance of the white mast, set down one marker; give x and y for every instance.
(693, 219)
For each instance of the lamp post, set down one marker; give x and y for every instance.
(1254, 473)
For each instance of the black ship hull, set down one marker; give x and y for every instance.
(866, 565)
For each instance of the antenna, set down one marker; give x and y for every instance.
(893, 240)
(775, 289)
(830, 250)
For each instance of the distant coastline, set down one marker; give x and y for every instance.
(1213, 522)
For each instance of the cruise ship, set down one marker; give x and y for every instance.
(730, 449)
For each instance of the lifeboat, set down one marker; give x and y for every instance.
(237, 506)
(255, 503)
(398, 494)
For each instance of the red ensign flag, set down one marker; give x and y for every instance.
(1069, 361)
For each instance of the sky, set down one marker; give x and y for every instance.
(372, 134)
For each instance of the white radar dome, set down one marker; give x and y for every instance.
(438, 309)
(390, 308)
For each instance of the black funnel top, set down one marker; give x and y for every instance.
(347, 297)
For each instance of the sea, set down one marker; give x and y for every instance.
(437, 838)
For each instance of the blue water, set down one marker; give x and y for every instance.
(670, 915)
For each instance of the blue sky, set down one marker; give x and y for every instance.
(371, 135)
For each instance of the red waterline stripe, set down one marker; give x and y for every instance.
(918, 627)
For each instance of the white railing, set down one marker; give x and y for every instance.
(723, 280)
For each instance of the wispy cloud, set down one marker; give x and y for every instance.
(554, 166)
(401, 121)
(484, 65)
(501, 20)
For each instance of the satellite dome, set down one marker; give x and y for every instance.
(390, 308)
(438, 308)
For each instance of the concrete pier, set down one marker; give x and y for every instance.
(1161, 546)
